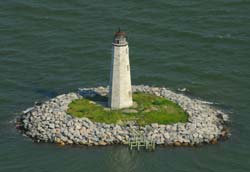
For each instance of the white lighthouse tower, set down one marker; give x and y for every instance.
(120, 91)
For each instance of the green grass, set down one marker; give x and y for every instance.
(150, 109)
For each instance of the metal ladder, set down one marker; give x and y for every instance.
(139, 140)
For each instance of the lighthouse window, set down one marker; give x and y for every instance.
(117, 41)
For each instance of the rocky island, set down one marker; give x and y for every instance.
(158, 114)
(49, 122)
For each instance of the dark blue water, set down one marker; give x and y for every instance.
(52, 47)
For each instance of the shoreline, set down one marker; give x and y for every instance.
(49, 122)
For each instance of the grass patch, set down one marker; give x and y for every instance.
(148, 109)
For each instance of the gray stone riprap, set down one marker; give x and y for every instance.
(49, 122)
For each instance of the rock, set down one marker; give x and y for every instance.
(107, 109)
(78, 126)
(224, 132)
(82, 142)
(120, 122)
(129, 111)
(195, 135)
(92, 102)
(214, 141)
(102, 143)
(135, 105)
(182, 89)
(166, 135)
(130, 123)
(57, 140)
(153, 108)
(154, 125)
(185, 144)
(70, 142)
(177, 143)
(82, 130)
(61, 143)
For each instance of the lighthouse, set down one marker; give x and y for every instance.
(120, 91)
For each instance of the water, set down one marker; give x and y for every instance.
(52, 47)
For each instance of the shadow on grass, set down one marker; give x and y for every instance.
(95, 97)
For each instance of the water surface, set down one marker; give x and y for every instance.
(53, 47)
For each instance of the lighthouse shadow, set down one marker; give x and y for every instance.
(95, 97)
